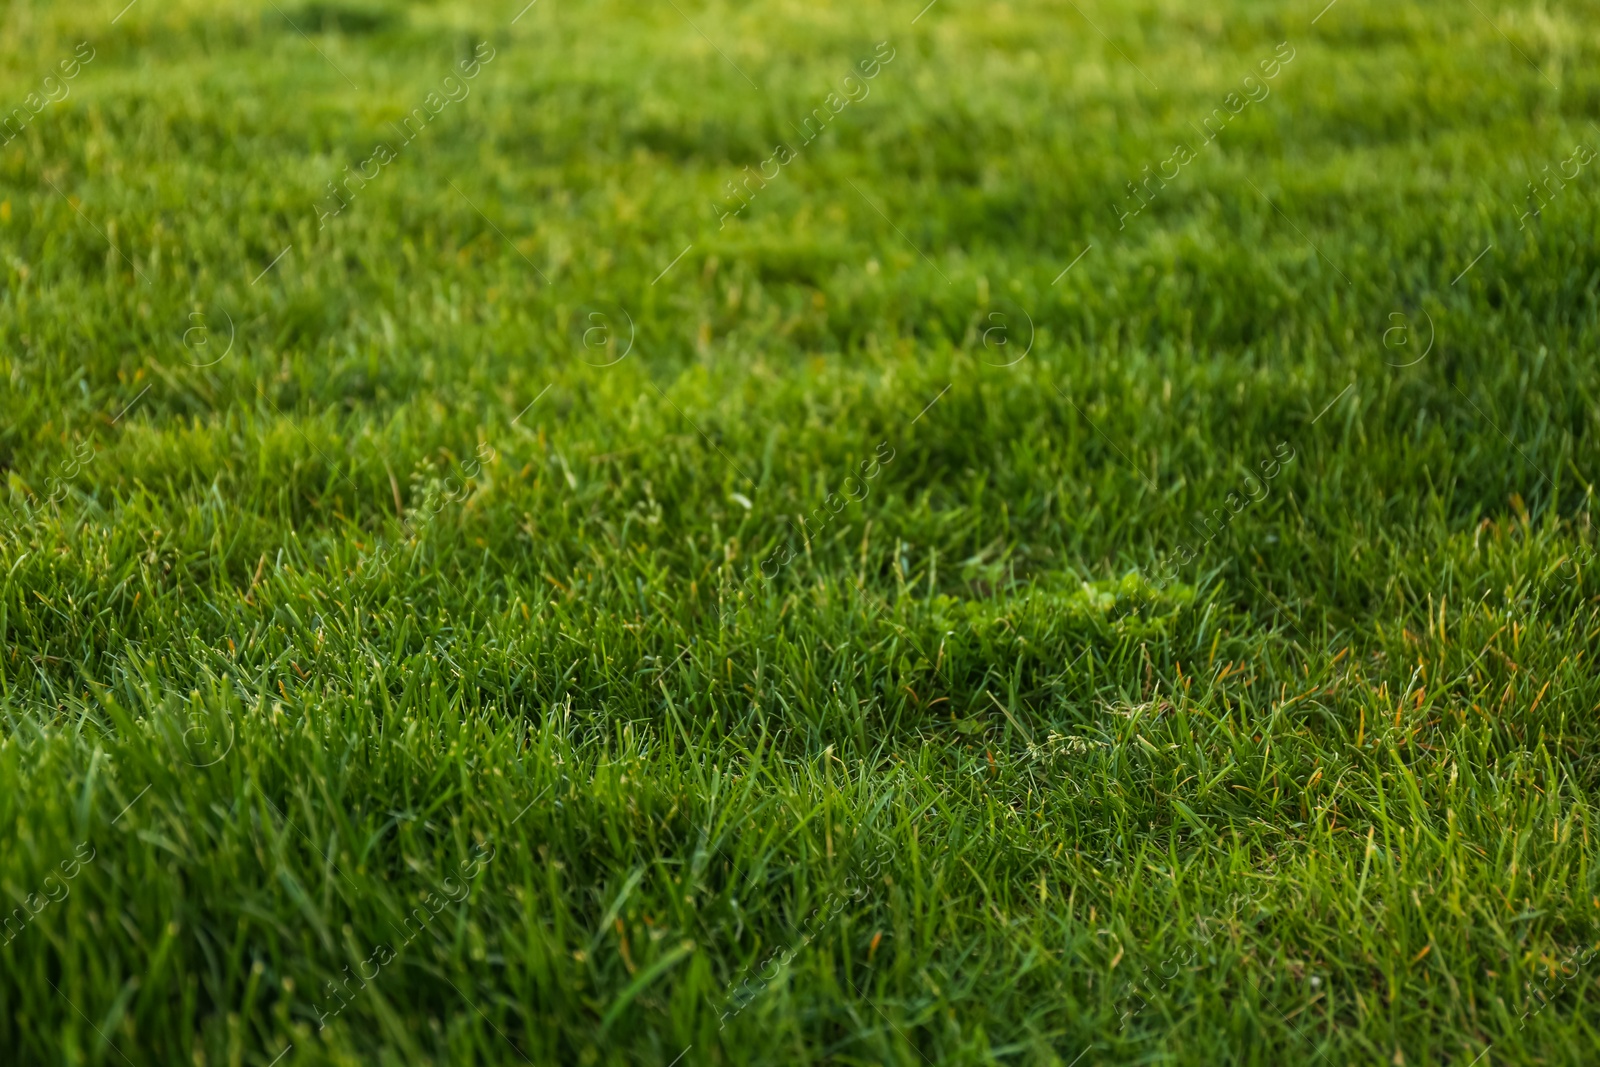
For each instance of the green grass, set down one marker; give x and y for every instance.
(431, 603)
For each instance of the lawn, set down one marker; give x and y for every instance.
(697, 533)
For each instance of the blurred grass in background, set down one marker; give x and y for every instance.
(449, 552)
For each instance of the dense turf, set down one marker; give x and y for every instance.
(1029, 533)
